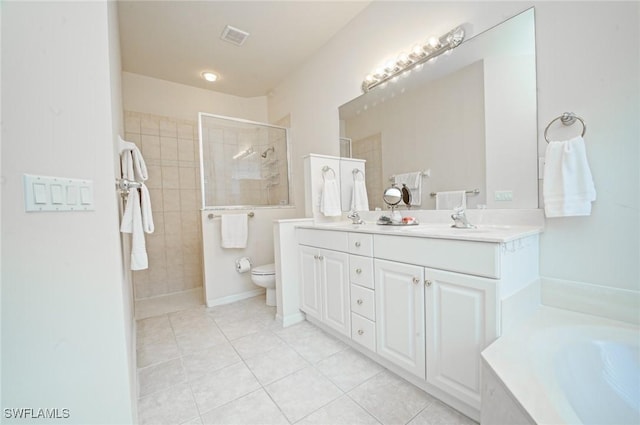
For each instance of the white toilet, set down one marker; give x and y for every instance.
(265, 276)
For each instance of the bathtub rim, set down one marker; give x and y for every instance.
(514, 364)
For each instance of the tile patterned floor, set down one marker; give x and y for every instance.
(234, 364)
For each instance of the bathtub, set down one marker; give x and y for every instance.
(562, 367)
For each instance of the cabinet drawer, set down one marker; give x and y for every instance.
(361, 271)
(329, 239)
(469, 257)
(363, 331)
(363, 302)
(361, 244)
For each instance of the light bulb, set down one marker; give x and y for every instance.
(417, 51)
(433, 42)
(379, 73)
(389, 66)
(403, 59)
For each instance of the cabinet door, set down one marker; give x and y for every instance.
(335, 290)
(399, 297)
(461, 322)
(310, 282)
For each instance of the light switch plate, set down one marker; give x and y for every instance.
(43, 193)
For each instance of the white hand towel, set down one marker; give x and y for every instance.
(132, 160)
(234, 230)
(132, 223)
(359, 198)
(330, 199)
(568, 188)
(451, 199)
(413, 181)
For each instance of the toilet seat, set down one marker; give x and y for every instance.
(267, 269)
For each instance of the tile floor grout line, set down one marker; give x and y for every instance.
(246, 311)
(188, 381)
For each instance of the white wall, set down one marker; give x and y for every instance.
(222, 283)
(587, 62)
(159, 97)
(64, 329)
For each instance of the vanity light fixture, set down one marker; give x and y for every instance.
(209, 76)
(421, 53)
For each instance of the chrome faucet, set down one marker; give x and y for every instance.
(355, 218)
(460, 219)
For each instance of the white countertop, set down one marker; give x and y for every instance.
(483, 233)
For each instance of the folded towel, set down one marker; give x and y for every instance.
(132, 223)
(359, 198)
(330, 199)
(234, 231)
(451, 199)
(413, 181)
(568, 188)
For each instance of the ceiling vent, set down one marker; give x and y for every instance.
(234, 35)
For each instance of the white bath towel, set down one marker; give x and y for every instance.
(359, 198)
(568, 188)
(234, 230)
(451, 199)
(132, 223)
(413, 181)
(133, 165)
(330, 197)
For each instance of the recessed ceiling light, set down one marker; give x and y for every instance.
(209, 76)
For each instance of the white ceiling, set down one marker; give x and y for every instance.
(177, 40)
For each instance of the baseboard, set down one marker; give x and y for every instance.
(596, 300)
(235, 297)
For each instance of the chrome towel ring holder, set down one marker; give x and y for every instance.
(325, 170)
(567, 118)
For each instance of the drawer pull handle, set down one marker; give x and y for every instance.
(359, 302)
(416, 280)
(360, 331)
(358, 270)
(357, 244)
(428, 282)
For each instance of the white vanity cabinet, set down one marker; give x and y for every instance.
(461, 320)
(423, 306)
(400, 322)
(325, 289)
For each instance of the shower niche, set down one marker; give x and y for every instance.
(242, 163)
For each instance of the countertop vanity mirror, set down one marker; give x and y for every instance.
(469, 117)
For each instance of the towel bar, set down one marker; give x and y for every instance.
(468, 192)
(213, 216)
(567, 118)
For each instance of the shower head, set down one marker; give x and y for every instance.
(264, 154)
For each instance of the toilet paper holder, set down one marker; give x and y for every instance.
(243, 264)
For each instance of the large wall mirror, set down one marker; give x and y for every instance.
(468, 120)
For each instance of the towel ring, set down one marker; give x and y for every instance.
(567, 118)
(355, 173)
(325, 169)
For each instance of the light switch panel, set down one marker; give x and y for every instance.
(42, 193)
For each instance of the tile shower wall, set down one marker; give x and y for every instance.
(170, 150)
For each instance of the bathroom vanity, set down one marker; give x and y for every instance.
(423, 301)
